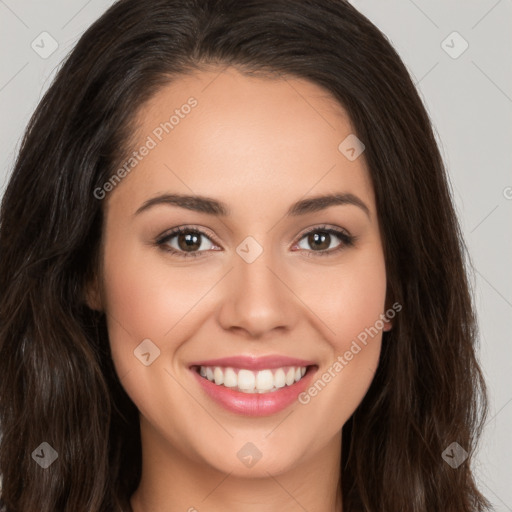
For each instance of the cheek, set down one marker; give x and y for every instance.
(348, 298)
(146, 296)
(350, 301)
(139, 303)
(144, 301)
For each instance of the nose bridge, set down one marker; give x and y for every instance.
(256, 298)
(254, 279)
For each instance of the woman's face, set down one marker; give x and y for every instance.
(255, 284)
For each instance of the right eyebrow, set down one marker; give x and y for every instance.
(199, 204)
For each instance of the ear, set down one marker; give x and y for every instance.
(388, 325)
(388, 322)
(92, 294)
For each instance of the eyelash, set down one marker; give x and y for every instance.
(346, 239)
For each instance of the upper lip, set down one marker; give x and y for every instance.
(255, 363)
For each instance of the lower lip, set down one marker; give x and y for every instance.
(255, 404)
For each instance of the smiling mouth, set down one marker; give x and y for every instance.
(266, 380)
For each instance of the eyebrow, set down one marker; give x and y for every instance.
(203, 204)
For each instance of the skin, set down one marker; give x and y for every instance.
(258, 145)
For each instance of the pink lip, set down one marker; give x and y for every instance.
(254, 404)
(254, 363)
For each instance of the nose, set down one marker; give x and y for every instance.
(257, 298)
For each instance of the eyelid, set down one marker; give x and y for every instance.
(171, 233)
(323, 227)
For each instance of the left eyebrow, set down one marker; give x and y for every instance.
(315, 204)
(211, 206)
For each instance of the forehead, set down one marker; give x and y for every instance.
(243, 138)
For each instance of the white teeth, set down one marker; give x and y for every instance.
(264, 380)
(218, 376)
(230, 379)
(247, 381)
(279, 378)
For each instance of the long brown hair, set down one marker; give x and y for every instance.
(58, 384)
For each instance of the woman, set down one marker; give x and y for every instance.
(232, 276)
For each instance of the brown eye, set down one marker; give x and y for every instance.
(322, 241)
(185, 242)
(189, 241)
(319, 241)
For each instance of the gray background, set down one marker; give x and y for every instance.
(469, 99)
